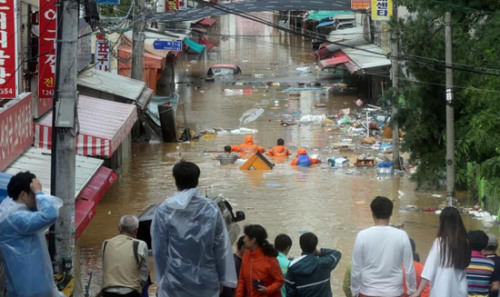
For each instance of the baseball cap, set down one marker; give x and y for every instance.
(492, 242)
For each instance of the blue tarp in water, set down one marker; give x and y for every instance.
(199, 48)
(325, 24)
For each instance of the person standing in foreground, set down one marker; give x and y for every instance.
(491, 252)
(449, 256)
(240, 249)
(480, 269)
(260, 273)
(24, 217)
(309, 275)
(125, 261)
(379, 255)
(191, 247)
(283, 243)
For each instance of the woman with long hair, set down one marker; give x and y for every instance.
(260, 272)
(449, 256)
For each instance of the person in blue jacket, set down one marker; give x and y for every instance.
(303, 160)
(309, 275)
(24, 217)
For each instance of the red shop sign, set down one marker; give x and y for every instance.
(8, 49)
(16, 130)
(47, 50)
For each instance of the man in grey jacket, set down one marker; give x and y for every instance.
(191, 246)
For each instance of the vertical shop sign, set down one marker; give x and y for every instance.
(16, 130)
(8, 49)
(381, 10)
(102, 54)
(47, 53)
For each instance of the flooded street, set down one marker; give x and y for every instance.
(334, 204)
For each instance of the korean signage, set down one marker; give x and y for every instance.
(16, 130)
(47, 59)
(171, 5)
(360, 4)
(8, 49)
(102, 57)
(381, 10)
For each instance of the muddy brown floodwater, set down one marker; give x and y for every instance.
(334, 204)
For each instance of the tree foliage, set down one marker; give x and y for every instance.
(476, 70)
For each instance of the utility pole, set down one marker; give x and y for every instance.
(63, 138)
(395, 84)
(138, 40)
(450, 116)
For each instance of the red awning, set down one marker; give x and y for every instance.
(203, 40)
(90, 196)
(338, 58)
(208, 22)
(149, 61)
(322, 53)
(104, 125)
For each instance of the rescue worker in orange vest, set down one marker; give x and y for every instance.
(303, 160)
(280, 150)
(247, 148)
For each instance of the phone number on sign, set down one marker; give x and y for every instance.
(6, 91)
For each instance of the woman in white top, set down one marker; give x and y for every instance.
(449, 256)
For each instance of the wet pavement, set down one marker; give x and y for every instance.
(332, 203)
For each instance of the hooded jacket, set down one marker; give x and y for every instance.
(191, 247)
(247, 148)
(24, 247)
(309, 275)
(255, 265)
(302, 159)
(279, 151)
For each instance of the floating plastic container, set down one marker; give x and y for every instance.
(338, 162)
(385, 147)
(385, 168)
(238, 91)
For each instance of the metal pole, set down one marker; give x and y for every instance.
(450, 120)
(138, 40)
(395, 83)
(63, 137)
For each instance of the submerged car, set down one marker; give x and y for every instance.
(222, 71)
(231, 219)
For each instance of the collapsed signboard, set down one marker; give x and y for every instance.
(16, 130)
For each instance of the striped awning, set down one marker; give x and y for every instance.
(104, 125)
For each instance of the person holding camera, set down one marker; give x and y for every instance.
(260, 273)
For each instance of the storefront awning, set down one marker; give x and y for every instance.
(104, 125)
(90, 196)
(337, 59)
(365, 57)
(199, 48)
(149, 60)
(90, 177)
(108, 85)
(207, 22)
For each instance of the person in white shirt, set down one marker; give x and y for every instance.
(449, 257)
(380, 254)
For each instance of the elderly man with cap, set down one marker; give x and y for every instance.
(491, 252)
